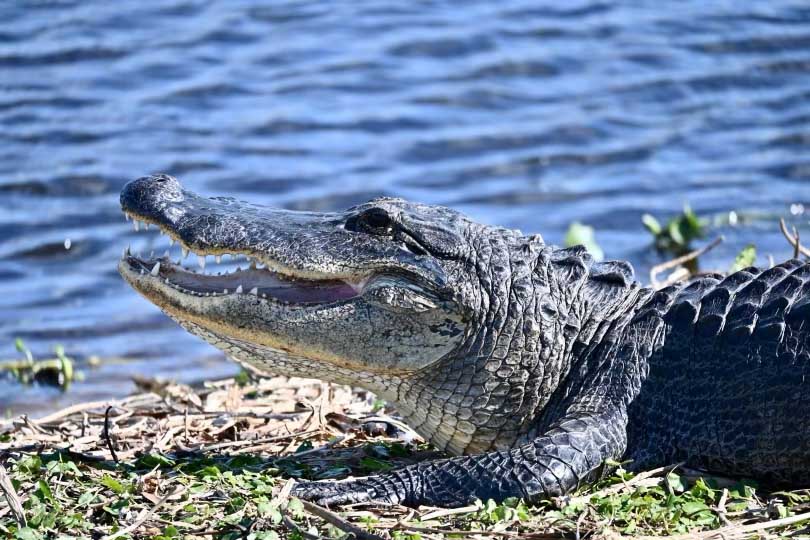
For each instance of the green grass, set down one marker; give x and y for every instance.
(190, 473)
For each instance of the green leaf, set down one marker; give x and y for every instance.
(674, 230)
(304, 446)
(264, 535)
(153, 460)
(675, 483)
(113, 484)
(373, 464)
(296, 508)
(745, 258)
(87, 498)
(651, 224)
(691, 225)
(694, 507)
(583, 235)
(45, 489)
(27, 533)
(242, 378)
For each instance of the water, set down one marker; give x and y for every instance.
(522, 115)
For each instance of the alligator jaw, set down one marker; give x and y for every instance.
(267, 280)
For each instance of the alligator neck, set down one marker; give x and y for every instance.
(544, 305)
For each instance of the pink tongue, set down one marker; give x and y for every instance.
(324, 293)
(267, 283)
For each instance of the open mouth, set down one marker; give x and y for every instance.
(234, 274)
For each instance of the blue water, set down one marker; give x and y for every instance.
(521, 113)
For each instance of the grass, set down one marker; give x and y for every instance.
(218, 462)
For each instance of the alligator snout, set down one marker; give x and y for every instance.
(151, 192)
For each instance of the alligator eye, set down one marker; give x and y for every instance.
(375, 221)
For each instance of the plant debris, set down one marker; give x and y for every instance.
(219, 462)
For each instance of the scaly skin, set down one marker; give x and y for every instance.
(532, 364)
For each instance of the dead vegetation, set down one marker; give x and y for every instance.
(219, 461)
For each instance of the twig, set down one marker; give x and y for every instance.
(337, 521)
(793, 241)
(79, 407)
(328, 445)
(657, 269)
(798, 242)
(721, 507)
(144, 515)
(12, 498)
(105, 433)
(448, 512)
(185, 425)
(249, 442)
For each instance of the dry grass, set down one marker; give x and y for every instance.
(216, 462)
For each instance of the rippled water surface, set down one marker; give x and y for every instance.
(521, 113)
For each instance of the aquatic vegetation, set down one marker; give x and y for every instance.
(584, 235)
(57, 371)
(677, 235)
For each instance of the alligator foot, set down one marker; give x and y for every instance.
(329, 493)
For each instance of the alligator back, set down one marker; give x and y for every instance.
(728, 386)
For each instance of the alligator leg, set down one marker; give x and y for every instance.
(570, 453)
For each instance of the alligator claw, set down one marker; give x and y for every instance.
(330, 493)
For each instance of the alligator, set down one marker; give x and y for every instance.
(534, 367)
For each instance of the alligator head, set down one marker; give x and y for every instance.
(373, 290)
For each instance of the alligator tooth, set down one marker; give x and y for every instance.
(135, 224)
(124, 253)
(146, 225)
(171, 241)
(126, 215)
(185, 252)
(254, 291)
(129, 248)
(264, 295)
(357, 286)
(238, 268)
(167, 281)
(218, 258)
(201, 261)
(156, 269)
(142, 272)
(166, 254)
(225, 291)
(152, 254)
(252, 264)
(239, 289)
